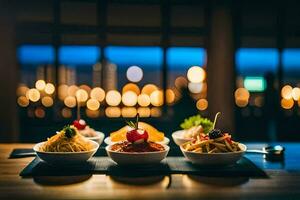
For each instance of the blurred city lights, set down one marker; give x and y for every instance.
(66, 112)
(242, 94)
(129, 112)
(113, 98)
(131, 87)
(134, 74)
(181, 82)
(70, 101)
(49, 88)
(92, 104)
(98, 94)
(33, 95)
(286, 92)
(296, 93)
(143, 100)
(113, 112)
(196, 74)
(155, 112)
(241, 102)
(47, 101)
(39, 113)
(144, 111)
(195, 88)
(170, 96)
(287, 103)
(202, 104)
(129, 98)
(149, 88)
(157, 98)
(23, 101)
(92, 113)
(40, 84)
(82, 95)
(86, 88)
(72, 90)
(21, 90)
(62, 91)
(255, 84)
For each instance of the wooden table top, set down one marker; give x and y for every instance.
(283, 182)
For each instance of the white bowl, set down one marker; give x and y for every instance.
(178, 137)
(228, 158)
(132, 158)
(98, 138)
(108, 141)
(65, 157)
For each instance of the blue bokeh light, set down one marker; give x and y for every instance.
(291, 59)
(78, 55)
(35, 54)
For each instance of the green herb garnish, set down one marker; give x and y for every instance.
(134, 125)
(69, 131)
(197, 120)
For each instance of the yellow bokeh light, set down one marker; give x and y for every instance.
(70, 101)
(143, 100)
(202, 104)
(144, 112)
(72, 90)
(113, 98)
(170, 96)
(286, 92)
(296, 93)
(86, 88)
(129, 112)
(113, 112)
(21, 90)
(92, 113)
(98, 94)
(49, 88)
(23, 101)
(47, 101)
(62, 91)
(196, 74)
(181, 82)
(157, 98)
(241, 102)
(66, 112)
(149, 88)
(39, 113)
(241, 94)
(81, 95)
(287, 103)
(131, 87)
(129, 98)
(33, 95)
(40, 84)
(92, 104)
(155, 112)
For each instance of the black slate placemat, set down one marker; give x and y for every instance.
(171, 165)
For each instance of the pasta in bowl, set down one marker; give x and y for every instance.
(67, 146)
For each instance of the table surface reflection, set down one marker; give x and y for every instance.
(283, 182)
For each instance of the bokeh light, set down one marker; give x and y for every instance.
(241, 94)
(66, 112)
(21, 90)
(143, 100)
(33, 95)
(72, 90)
(170, 96)
(82, 95)
(47, 101)
(149, 88)
(131, 87)
(134, 74)
(39, 113)
(155, 112)
(129, 112)
(144, 111)
(157, 98)
(241, 102)
(86, 88)
(259, 101)
(40, 84)
(92, 104)
(129, 98)
(23, 101)
(92, 113)
(287, 103)
(49, 88)
(113, 98)
(196, 74)
(181, 82)
(286, 92)
(202, 104)
(195, 87)
(70, 101)
(98, 94)
(296, 93)
(113, 112)
(62, 91)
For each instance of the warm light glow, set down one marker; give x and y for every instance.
(49, 88)
(81, 95)
(98, 94)
(33, 95)
(143, 100)
(296, 93)
(39, 113)
(258, 101)
(286, 92)
(170, 96)
(92, 113)
(131, 87)
(148, 89)
(144, 111)
(181, 82)
(242, 94)
(287, 103)
(195, 88)
(196, 74)
(23, 101)
(241, 102)
(92, 104)
(66, 112)
(70, 101)
(202, 104)
(129, 98)
(113, 98)
(129, 112)
(155, 112)
(72, 90)
(86, 88)
(21, 90)
(113, 112)
(157, 98)
(40, 84)
(134, 74)
(47, 101)
(62, 91)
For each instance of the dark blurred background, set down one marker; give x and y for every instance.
(165, 60)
